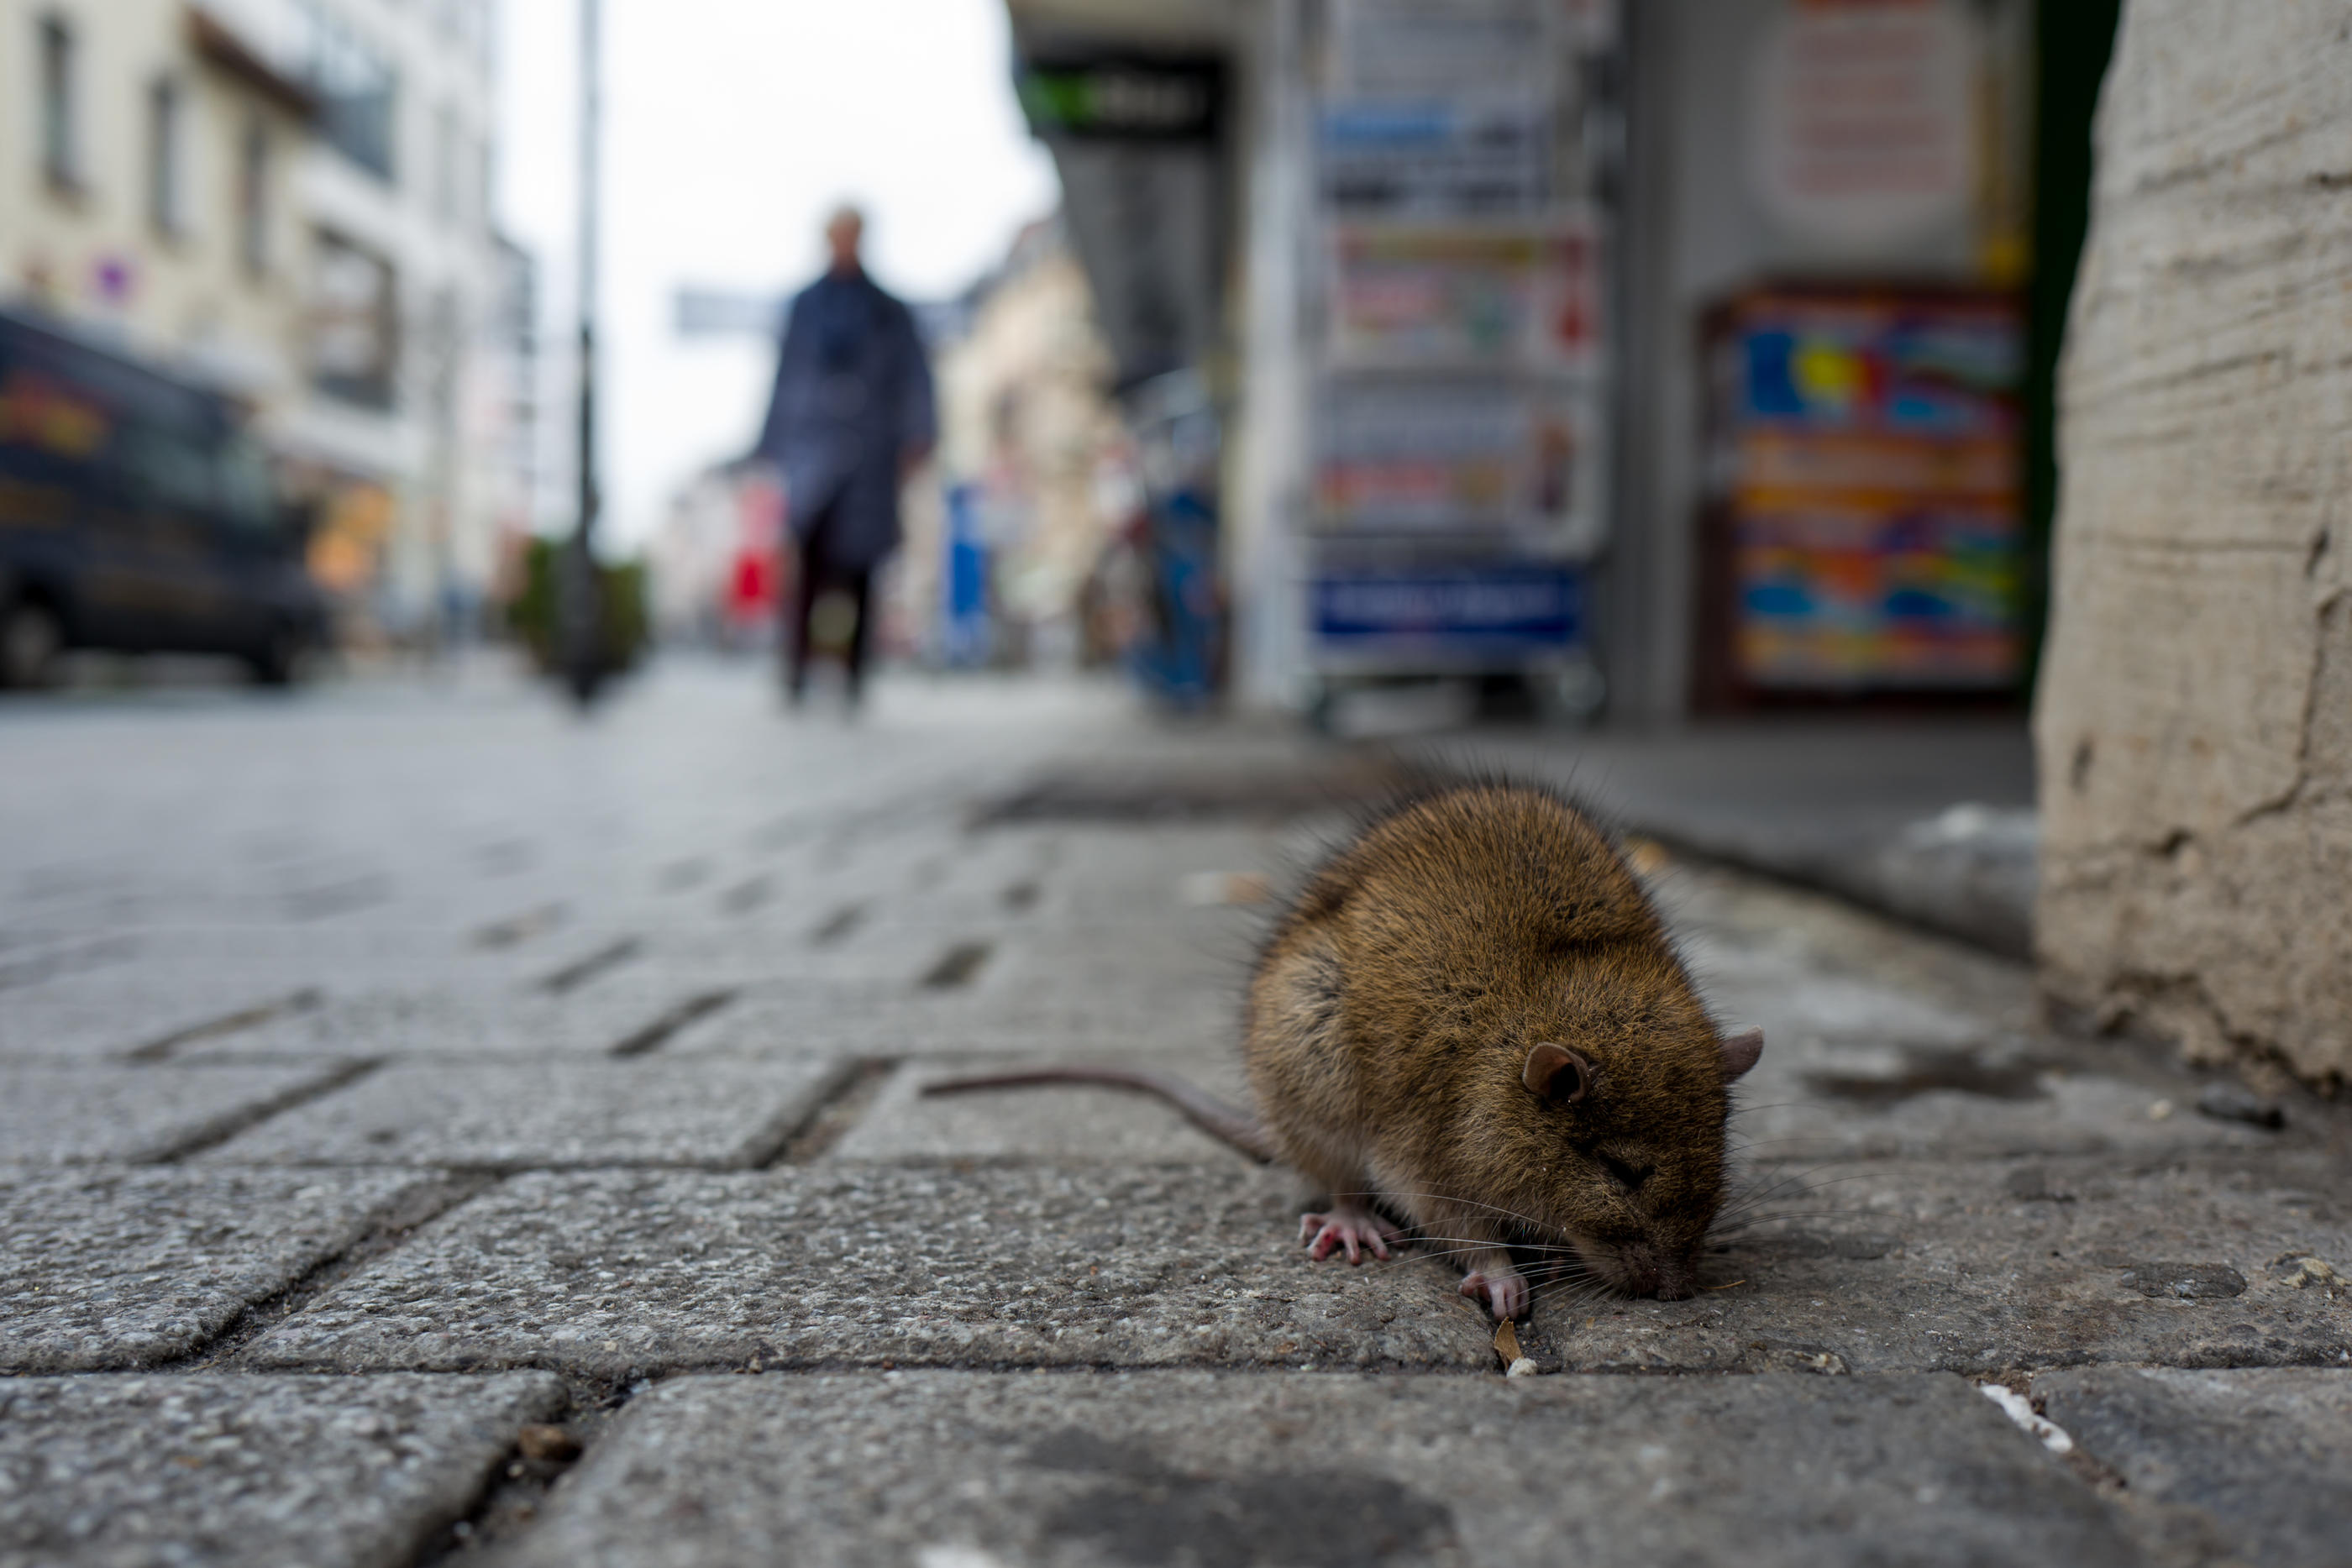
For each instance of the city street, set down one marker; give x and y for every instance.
(434, 1127)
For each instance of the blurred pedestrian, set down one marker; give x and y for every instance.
(850, 418)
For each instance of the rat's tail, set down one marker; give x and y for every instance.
(1226, 1124)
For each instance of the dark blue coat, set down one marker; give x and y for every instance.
(853, 394)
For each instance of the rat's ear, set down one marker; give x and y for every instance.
(1556, 1073)
(1740, 1051)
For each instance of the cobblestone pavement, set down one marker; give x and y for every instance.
(433, 1130)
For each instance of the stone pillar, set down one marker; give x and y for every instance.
(2194, 720)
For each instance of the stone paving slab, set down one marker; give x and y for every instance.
(617, 1274)
(513, 1116)
(134, 1012)
(820, 950)
(1872, 1101)
(2260, 1456)
(1883, 1044)
(249, 1472)
(460, 1025)
(124, 1268)
(1982, 1266)
(59, 1112)
(1166, 968)
(1321, 1471)
(950, 1022)
(1073, 1122)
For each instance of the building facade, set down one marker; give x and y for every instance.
(290, 200)
(149, 168)
(1032, 467)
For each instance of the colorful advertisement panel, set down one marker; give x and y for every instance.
(1874, 531)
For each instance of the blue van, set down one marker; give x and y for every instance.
(135, 516)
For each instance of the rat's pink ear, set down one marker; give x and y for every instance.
(1740, 1051)
(1556, 1073)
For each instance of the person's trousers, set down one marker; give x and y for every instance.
(815, 579)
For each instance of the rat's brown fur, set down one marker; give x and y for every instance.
(1393, 1008)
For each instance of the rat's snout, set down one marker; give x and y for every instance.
(1643, 1271)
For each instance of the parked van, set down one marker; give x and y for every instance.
(135, 516)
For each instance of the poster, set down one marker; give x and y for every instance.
(1450, 458)
(1435, 157)
(1434, 48)
(1874, 532)
(1504, 297)
(1866, 118)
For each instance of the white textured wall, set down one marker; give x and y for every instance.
(2194, 721)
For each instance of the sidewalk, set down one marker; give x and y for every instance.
(482, 1138)
(1927, 820)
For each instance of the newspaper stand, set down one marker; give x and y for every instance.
(1458, 481)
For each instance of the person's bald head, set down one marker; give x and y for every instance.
(843, 233)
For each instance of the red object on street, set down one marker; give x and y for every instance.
(755, 585)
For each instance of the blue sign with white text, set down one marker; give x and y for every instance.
(1488, 612)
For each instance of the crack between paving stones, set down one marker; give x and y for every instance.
(514, 1491)
(294, 1002)
(691, 1011)
(957, 967)
(579, 971)
(517, 929)
(837, 924)
(385, 1229)
(838, 1107)
(222, 1128)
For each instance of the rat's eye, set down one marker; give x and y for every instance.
(1624, 1172)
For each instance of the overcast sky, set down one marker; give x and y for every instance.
(732, 127)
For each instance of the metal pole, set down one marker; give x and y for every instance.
(585, 653)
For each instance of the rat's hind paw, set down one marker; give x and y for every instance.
(1506, 1293)
(1345, 1228)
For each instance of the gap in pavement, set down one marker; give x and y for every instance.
(517, 929)
(156, 1050)
(579, 971)
(222, 1129)
(841, 1107)
(958, 967)
(416, 1207)
(836, 925)
(692, 1010)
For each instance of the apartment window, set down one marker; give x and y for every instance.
(61, 113)
(253, 213)
(167, 178)
(354, 333)
(357, 85)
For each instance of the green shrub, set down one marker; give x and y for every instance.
(533, 614)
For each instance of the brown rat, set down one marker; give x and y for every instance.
(1471, 1016)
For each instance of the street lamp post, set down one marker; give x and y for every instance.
(584, 654)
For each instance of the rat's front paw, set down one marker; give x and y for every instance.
(1347, 1228)
(1506, 1292)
